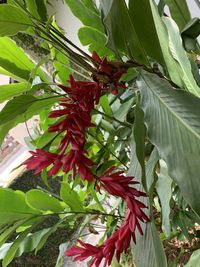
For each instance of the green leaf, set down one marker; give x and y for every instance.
(16, 106)
(8, 232)
(192, 29)
(34, 109)
(172, 120)
(85, 14)
(151, 247)
(194, 259)
(171, 64)
(40, 200)
(122, 36)
(12, 250)
(31, 242)
(15, 61)
(9, 90)
(179, 54)
(13, 20)
(164, 190)
(96, 41)
(37, 8)
(179, 12)
(149, 243)
(47, 235)
(105, 105)
(71, 197)
(13, 206)
(139, 133)
(141, 16)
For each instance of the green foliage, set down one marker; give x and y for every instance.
(151, 128)
(13, 20)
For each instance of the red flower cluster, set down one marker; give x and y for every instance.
(117, 185)
(74, 119)
(109, 73)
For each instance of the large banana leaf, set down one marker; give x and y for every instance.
(172, 119)
(122, 35)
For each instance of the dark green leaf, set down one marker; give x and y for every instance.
(179, 12)
(172, 120)
(142, 18)
(37, 8)
(122, 36)
(15, 107)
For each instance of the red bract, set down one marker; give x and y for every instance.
(109, 73)
(42, 159)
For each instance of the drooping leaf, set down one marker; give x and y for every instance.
(14, 247)
(15, 61)
(139, 132)
(34, 109)
(40, 200)
(13, 20)
(141, 15)
(9, 90)
(172, 120)
(37, 8)
(179, 11)
(179, 54)
(164, 190)
(171, 64)
(149, 243)
(15, 107)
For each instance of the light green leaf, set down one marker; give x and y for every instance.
(194, 259)
(13, 20)
(13, 206)
(71, 197)
(172, 65)
(172, 120)
(96, 41)
(9, 90)
(179, 54)
(164, 190)
(15, 107)
(15, 61)
(179, 11)
(12, 250)
(34, 109)
(40, 200)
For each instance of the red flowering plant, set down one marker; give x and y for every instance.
(110, 118)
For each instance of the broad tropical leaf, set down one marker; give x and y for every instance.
(122, 37)
(179, 54)
(9, 90)
(13, 20)
(172, 120)
(179, 12)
